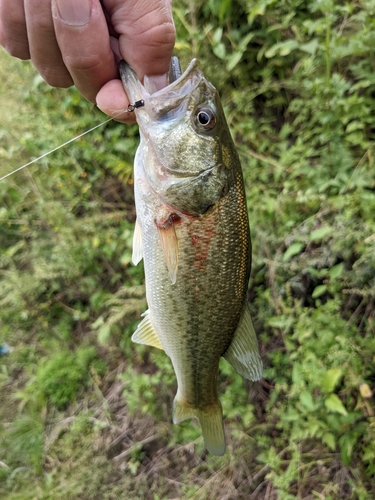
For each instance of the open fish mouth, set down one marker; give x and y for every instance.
(137, 91)
(166, 112)
(176, 75)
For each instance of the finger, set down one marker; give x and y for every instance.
(13, 33)
(113, 101)
(82, 35)
(44, 50)
(147, 34)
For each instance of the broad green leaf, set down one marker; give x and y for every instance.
(336, 271)
(104, 333)
(297, 374)
(354, 125)
(236, 56)
(330, 379)
(369, 453)
(98, 322)
(280, 321)
(245, 40)
(11, 251)
(313, 427)
(234, 59)
(320, 233)
(290, 346)
(330, 440)
(217, 35)
(225, 7)
(310, 47)
(347, 442)
(219, 50)
(294, 249)
(318, 291)
(334, 403)
(307, 400)
(282, 48)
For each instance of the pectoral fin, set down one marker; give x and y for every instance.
(145, 333)
(243, 352)
(137, 244)
(169, 243)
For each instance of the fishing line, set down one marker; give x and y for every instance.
(58, 147)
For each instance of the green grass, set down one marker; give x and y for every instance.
(17, 79)
(86, 414)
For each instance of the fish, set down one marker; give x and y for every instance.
(192, 232)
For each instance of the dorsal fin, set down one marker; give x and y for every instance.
(243, 352)
(146, 333)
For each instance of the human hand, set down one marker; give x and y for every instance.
(81, 42)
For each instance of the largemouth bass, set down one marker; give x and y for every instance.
(193, 233)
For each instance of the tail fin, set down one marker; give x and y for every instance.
(211, 420)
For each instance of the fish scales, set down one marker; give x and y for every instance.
(193, 233)
(192, 304)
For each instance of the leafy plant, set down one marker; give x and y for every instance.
(61, 377)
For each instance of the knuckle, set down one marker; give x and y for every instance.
(157, 44)
(88, 63)
(16, 50)
(56, 78)
(153, 25)
(14, 42)
(158, 36)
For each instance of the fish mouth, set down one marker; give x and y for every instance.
(161, 111)
(137, 91)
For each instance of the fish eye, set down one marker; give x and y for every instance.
(205, 118)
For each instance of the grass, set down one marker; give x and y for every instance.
(14, 110)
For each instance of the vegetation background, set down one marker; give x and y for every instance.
(85, 414)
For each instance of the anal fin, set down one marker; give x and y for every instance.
(243, 352)
(145, 333)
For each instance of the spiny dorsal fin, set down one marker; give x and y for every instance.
(145, 333)
(137, 244)
(243, 352)
(169, 244)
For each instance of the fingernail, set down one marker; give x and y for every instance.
(155, 82)
(73, 12)
(114, 43)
